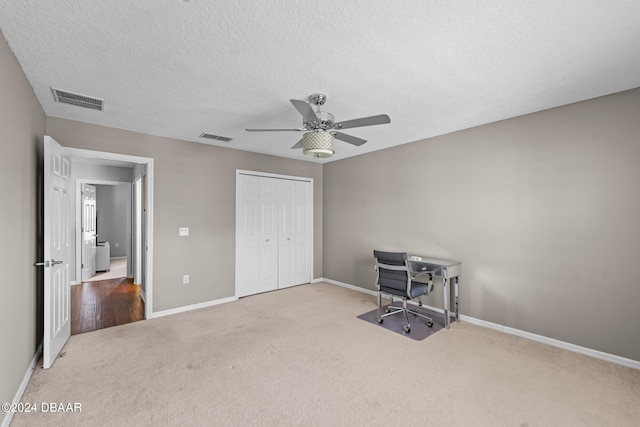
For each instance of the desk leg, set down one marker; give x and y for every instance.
(455, 287)
(445, 293)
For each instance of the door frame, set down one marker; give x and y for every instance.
(79, 215)
(148, 161)
(136, 233)
(312, 229)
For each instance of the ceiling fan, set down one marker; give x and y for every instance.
(320, 127)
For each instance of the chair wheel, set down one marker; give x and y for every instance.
(430, 324)
(380, 320)
(419, 303)
(407, 329)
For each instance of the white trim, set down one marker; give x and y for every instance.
(635, 364)
(193, 307)
(273, 175)
(555, 343)
(23, 385)
(346, 285)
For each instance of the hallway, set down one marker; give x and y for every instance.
(105, 303)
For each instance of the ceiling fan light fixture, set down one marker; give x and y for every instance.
(318, 144)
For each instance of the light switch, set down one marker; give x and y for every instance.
(184, 231)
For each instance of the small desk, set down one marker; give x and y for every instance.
(448, 270)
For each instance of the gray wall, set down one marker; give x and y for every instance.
(194, 187)
(22, 125)
(543, 210)
(113, 204)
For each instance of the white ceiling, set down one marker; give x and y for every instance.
(177, 68)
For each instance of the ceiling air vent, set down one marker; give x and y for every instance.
(214, 137)
(76, 99)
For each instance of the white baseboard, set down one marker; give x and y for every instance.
(348, 286)
(635, 364)
(554, 342)
(192, 307)
(23, 386)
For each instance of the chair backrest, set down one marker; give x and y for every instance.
(393, 270)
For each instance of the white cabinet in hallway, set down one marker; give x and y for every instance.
(273, 232)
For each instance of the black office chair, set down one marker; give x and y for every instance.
(394, 278)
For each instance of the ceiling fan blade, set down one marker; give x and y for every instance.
(275, 130)
(365, 121)
(308, 115)
(348, 138)
(298, 145)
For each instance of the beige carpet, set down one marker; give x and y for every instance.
(117, 269)
(300, 357)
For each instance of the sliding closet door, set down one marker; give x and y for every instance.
(294, 235)
(273, 233)
(256, 236)
(268, 239)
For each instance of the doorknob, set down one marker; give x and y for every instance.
(47, 263)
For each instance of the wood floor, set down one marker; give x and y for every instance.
(105, 303)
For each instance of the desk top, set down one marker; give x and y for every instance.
(453, 268)
(433, 261)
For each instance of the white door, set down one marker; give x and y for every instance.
(294, 219)
(273, 233)
(302, 229)
(247, 235)
(268, 235)
(286, 236)
(57, 249)
(256, 236)
(88, 231)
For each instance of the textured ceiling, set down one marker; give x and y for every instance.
(177, 68)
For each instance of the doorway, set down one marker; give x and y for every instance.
(106, 224)
(107, 295)
(61, 248)
(140, 180)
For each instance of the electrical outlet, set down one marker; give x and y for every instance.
(185, 279)
(183, 231)
(117, 244)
